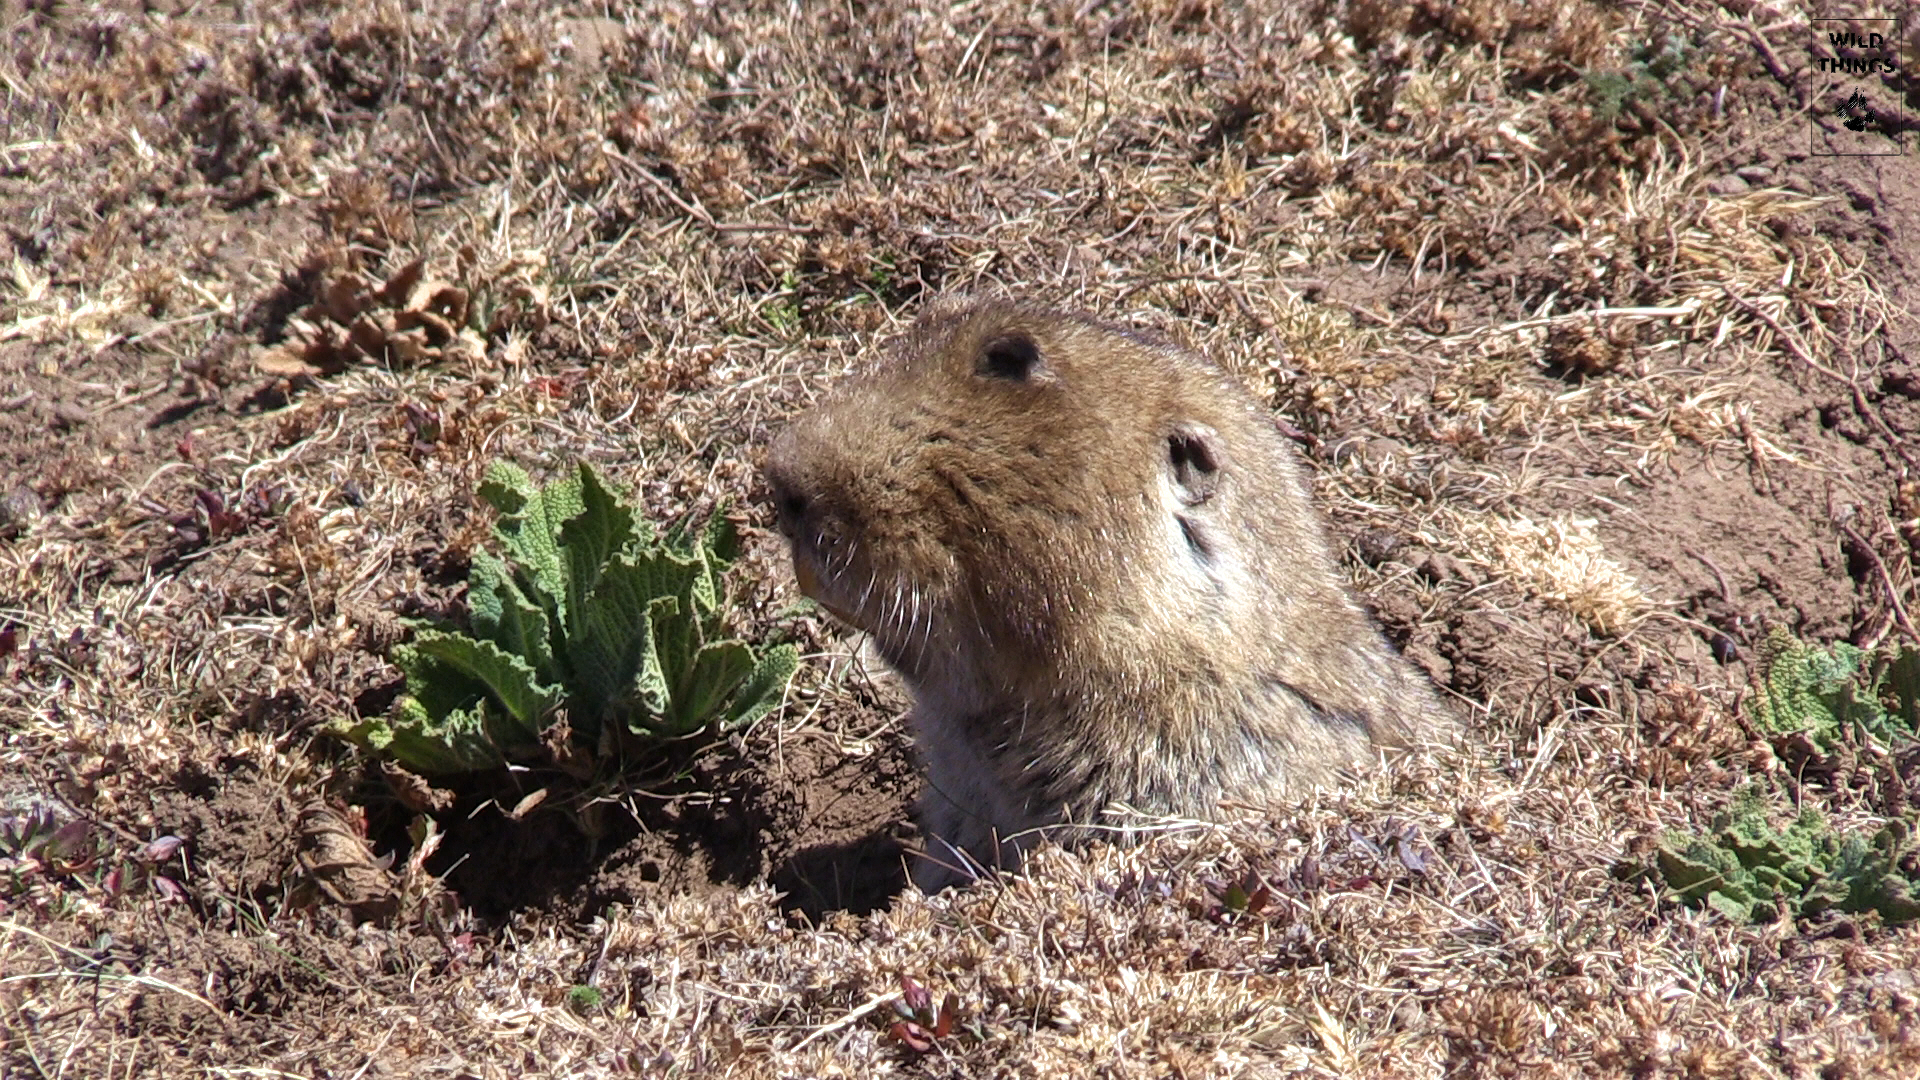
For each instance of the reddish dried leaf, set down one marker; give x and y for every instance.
(447, 301)
(345, 298)
(438, 330)
(916, 996)
(221, 522)
(414, 792)
(526, 805)
(371, 331)
(69, 842)
(399, 287)
(948, 1007)
(160, 849)
(913, 1035)
(335, 858)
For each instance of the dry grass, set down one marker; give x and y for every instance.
(1502, 309)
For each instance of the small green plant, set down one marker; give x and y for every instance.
(584, 1000)
(1819, 705)
(591, 632)
(782, 310)
(1824, 693)
(1648, 76)
(1243, 897)
(1748, 869)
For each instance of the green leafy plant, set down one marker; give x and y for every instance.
(782, 309)
(590, 632)
(1648, 77)
(584, 1000)
(1821, 707)
(1825, 692)
(1748, 869)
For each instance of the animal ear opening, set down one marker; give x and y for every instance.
(1015, 357)
(1194, 458)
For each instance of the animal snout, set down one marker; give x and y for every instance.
(790, 499)
(792, 484)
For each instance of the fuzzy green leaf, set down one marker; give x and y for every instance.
(1799, 685)
(438, 687)
(676, 640)
(531, 534)
(463, 742)
(721, 539)
(1694, 867)
(1735, 905)
(614, 660)
(590, 539)
(507, 487)
(503, 614)
(458, 743)
(1748, 869)
(1886, 880)
(587, 608)
(1825, 692)
(717, 671)
(715, 547)
(510, 680)
(760, 694)
(651, 691)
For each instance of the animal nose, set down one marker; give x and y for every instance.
(790, 501)
(791, 507)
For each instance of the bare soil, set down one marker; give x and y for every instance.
(1597, 393)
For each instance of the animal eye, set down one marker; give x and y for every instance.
(1193, 458)
(1188, 454)
(1013, 357)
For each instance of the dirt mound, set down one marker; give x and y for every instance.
(824, 826)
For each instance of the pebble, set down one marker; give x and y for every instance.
(1376, 546)
(67, 416)
(19, 509)
(1727, 185)
(1753, 174)
(1439, 567)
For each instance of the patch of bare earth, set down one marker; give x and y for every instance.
(1601, 374)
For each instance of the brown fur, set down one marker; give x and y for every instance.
(1093, 557)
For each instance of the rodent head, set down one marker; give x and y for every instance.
(1015, 489)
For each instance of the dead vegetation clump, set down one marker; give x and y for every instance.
(1601, 377)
